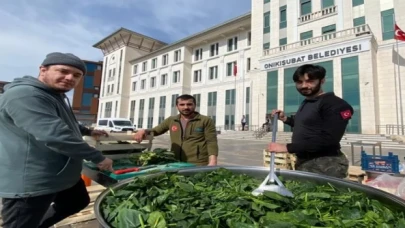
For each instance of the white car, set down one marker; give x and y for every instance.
(115, 125)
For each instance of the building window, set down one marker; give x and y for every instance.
(230, 68)
(249, 38)
(283, 17)
(98, 67)
(266, 22)
(110, 73)
(266, 45)
(133, 86)
(197, 101)
(135, 69)
(327, 3)
(86, 99)
(306, 35)
(283, 41)
(266, 1)
(154, 63)
(108, 109)
(176, 76)
(198, 54)
(95, 95)
(197, 76)
(152, 82)
(96, 88)
(248, 64)
(88, 82)
(214, 49)
(112, 88)
(359, 21)
(306, 7)
(387, 23)
(328, 29)
(143, 83)
(213, 72)
(233, 44)
(177, 56)
(165, 59)
(212, 99)
(144, 66)
(357, 2)
(163, 79)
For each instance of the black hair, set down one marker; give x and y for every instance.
(185, 97)
(314, 72)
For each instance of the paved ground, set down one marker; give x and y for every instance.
(240, 152)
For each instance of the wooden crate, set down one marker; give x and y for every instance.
(119, 141)
(281, 161)
(356, 174)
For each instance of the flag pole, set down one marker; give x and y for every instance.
(400, 90)
(396, 91)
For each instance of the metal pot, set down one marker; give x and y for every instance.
(261, 172)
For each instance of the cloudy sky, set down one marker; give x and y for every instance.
(29, 29)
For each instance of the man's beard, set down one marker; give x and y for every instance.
(186, 113)
(307, 92)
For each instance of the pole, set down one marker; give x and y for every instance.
(396, 97)
(400, 91)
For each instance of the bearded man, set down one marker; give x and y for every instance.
(41, 146)
(318, 126)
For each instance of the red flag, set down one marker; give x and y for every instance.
(235, 69)
(399, 34)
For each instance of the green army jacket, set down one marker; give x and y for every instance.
(196, 143)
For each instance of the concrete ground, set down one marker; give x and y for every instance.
(240, 152)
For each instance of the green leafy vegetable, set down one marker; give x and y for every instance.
(156, 157)
(223, 199)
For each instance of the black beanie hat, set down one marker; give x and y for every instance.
(57, 58)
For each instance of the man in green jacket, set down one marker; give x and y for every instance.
(193, 136)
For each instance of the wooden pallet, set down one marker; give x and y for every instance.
(281, 161)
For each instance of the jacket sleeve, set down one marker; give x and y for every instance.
(161, 128)
(335, 120)
(211, 138)
(84, 130)
(35, 116)
(289, 121)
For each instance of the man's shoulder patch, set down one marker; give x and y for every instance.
(346, 114)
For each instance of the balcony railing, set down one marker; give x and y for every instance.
(351, 32)
(319, 14)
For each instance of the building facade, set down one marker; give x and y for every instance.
(86, 94)
(352, 39)
(245, 66)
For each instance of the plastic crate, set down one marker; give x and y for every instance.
(385, 164)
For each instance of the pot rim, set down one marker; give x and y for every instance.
(371, 192)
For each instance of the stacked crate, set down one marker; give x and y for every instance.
(281, 161)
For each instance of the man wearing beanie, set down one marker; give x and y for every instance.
(41, 147)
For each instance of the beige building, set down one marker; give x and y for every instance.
(352, 39)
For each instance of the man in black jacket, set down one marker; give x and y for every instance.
(318, 126)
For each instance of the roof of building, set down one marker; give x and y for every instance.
(193, 36)
(120, 30)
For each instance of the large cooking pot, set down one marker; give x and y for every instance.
(261, 172)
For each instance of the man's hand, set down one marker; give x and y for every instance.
(212, 160)
(140, 135)
(98, 133)
(277, 148)
(106, 164)
(281, 114)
